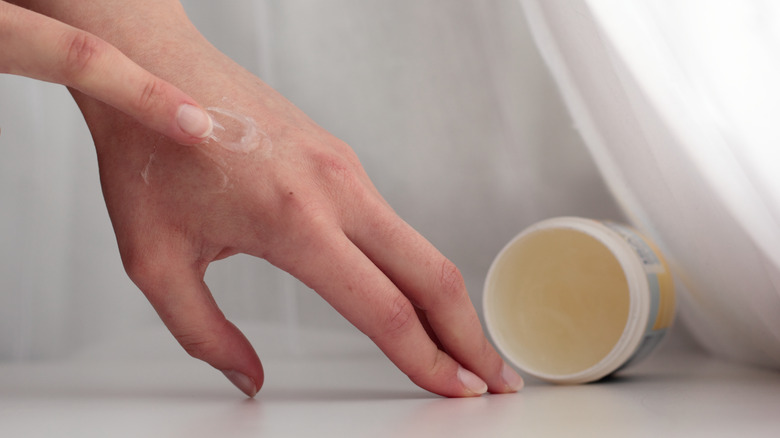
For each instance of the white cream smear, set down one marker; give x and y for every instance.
(234, 132)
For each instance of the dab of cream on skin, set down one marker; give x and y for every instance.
(146, 173)
(234, 132)
(163, 165)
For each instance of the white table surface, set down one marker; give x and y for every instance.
(143, 386)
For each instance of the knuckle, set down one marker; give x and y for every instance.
(400, 317)
(137, 270)
(437, 365)
(336, 172)
(342, 182)
(148, 98)
(427, 370)
(196, 344)
(450, 283)
(308, 216)
(81, 51)
(143, 268)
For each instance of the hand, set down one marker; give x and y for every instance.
(39, 47)
(300, 199)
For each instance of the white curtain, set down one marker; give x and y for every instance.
(678, 102)
(447, 103)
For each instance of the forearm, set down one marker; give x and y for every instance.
(103, 17)
(147, 31)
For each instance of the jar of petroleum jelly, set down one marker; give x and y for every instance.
(572, 300)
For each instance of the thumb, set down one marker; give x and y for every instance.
(39, 47)
(186, 306)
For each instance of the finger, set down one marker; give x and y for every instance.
(42, 48)
(344, 277)
(184, 303)
(436, 287)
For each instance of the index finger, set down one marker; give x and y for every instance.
(42, 48)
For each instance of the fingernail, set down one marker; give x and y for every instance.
(513, 380)
(194, 121)
(470, 380)
(242, 382)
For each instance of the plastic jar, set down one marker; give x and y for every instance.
(572, 300)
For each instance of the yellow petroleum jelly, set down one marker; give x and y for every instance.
(564, 298)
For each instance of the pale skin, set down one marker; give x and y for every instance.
(306, 205)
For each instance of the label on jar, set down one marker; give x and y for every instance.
(661, 287)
